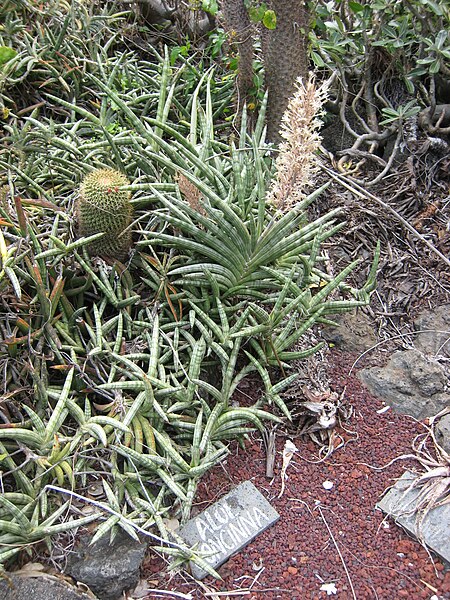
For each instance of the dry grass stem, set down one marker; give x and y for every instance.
(330, 533)
(360, 192)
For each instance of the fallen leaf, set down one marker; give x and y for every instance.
(288, 453)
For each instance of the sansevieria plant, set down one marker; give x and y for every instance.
(104, 207)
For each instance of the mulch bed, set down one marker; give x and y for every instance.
(323, 536)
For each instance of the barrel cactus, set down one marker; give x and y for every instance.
(104, 207)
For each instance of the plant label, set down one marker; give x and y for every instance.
(228, 525)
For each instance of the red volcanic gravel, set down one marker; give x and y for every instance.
(293, 558)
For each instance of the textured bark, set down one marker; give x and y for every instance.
(285, 58)
(240, 31)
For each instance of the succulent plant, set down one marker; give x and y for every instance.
(103, 207)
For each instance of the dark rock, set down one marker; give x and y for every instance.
(436, 327)
(426, 375)
(442, 431)
(39, 586)
(108, 569)
(354, 332)
(410, 383)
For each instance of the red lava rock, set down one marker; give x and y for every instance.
(426, 570)
(355, 474)
(404, 546)
(368, 549)
(446, 583)
(363, 573)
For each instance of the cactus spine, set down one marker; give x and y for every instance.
(103, 207)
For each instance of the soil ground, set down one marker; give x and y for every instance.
(323, 536)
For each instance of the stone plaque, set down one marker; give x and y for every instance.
(434, 529)
(228, 525)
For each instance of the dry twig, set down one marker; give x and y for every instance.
(339, 552)
(362, 193)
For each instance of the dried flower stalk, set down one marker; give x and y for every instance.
(190, 192)
(296, 163)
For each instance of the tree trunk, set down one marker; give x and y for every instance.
(240, 32)
(285, 51)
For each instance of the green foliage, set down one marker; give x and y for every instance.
(104, 207)
(388, 60)
(344, 33)
(210, 6)
(437, 54)
(260, 13)
(269, 19)
(55, 46)
(403, 112)
(6, 54)
(122, 375)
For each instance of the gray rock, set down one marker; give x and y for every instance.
(108, 569)
(442, 431)
(426, 375)
(436, 327)
(400, 503)
(411, 383)
(228, 525)
(40, 586)
(354, 332)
